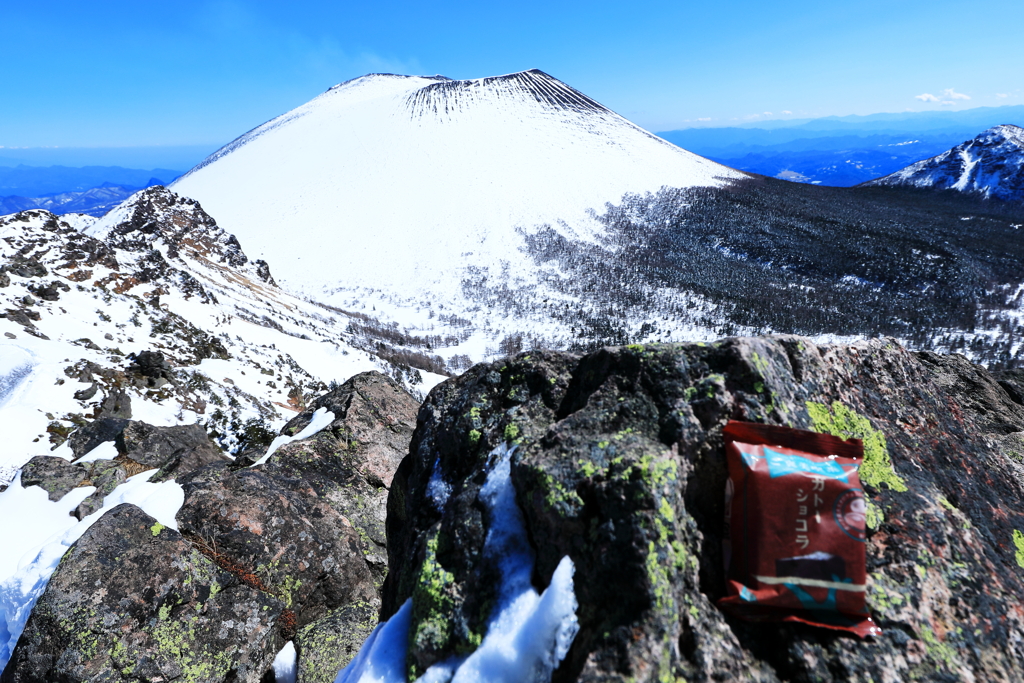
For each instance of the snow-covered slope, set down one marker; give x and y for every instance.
(409, 186)
(76, 310)
(991, 165)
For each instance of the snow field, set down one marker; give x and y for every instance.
(389, 176)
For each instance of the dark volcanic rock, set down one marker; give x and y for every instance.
(89, 436)
(620, 465)
(151, 369)
(55, 475)
(176, 450)
(133, 601)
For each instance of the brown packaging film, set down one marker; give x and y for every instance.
(795, 518)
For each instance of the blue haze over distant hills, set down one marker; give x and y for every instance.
(87, 179)
(841, 151)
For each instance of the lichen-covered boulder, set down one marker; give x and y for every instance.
(133, 601)
(55, 475)
(327, 645)
(279, 530)
(620, 465)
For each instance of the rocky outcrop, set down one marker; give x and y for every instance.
(132, 600)
(352, 462)
(620, 465)
(289, 549)
(157, 218)
(175, 450)
(278, 529)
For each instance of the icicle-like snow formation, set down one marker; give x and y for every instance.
(322, 418)
(285, 665)
(528, 633)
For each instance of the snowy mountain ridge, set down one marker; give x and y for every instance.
(158, 275)
(991, 165)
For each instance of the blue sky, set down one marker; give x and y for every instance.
(117, 73)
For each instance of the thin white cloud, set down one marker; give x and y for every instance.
(951, 94)
(926, 97)
(703, 118)
(767, 113)
(1001, 95)
(786, 111)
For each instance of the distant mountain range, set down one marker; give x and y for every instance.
(92, 202)
(43, 181)
(841, 151)
(91, 190)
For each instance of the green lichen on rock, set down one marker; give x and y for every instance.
(1018, 541)
(157, 528)
(665, 556)
(843, 422)
(885, 595)
(511, 432)
(432, 607)
(760, 364)
(557, 496)
(176, 639)
(327, 645)
(941, 652)
(873, 515)
(287, 588)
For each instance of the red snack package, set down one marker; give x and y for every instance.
(795, 515)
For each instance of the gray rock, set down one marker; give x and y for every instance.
(133, 601)
(105, 475)
(87, 393)
(327, 645)
(279, 529)
(351, 462)
(55, 475)
(117, 404)
(158, 446)
(88, 437)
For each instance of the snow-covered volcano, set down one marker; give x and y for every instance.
(991, 165)
(400, 184)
